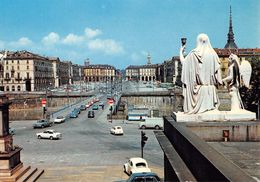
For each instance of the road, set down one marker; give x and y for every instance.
(86, 142)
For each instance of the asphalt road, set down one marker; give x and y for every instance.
(85, 141)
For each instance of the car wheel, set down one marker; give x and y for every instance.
(124, 169)
(143, 127)
(39, 137)
(51, 137)
(42, 126)
(157, 127)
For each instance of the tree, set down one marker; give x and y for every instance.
(251, 96)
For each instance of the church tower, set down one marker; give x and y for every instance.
(230, 41)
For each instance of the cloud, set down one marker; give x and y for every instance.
(138, 56)
(91, 33)
(108, 46)
(22, 42)
(51, 39)
(71, 39)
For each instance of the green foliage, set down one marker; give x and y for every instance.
(251, 97)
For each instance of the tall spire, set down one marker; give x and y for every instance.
(149, 59)
(230, 41)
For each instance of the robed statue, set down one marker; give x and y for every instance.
(239, 74)
(200, 76)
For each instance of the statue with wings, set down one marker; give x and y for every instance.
(2, 56)
(239, 74)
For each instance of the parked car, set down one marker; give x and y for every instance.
(91, 114)
(49, 134)
(88, 105)
(42, 123)
(117, 130)
(95, 107)
(76, 110)
(83, 107)
(59, 119)
(11, 131)
(136, 165)
(155, 122)
(73, 114)
(144, 177)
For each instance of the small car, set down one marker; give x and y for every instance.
(42, 123)
(136, 165)
(76, 110)
(91, 114)
(117, 130)
(49, 134)
(143, 177)
(87, 105)
(73, 115)
(83, 107)
(95, 107)
(59, 119)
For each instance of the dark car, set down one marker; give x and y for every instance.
(91, 114)
(83, 107)
(143, 177)
(42, 123)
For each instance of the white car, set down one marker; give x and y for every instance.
(59, 119)
(117, 130)
(49, 134)
(136, 165)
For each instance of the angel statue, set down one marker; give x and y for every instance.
(2, 56)
(239, 74)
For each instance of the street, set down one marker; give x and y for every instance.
(86, 142)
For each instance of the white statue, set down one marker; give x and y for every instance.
(200, 76)
(2, 56)
(237, 72)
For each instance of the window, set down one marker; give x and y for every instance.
(13, 88)
(7, 75)
(18, 88)
(6, 62)
(12, 74)
(28, 75)
(18, 67)
(27, 61)
(6, 67)
(27, 67)
(12, 67)
(12, 61)
(18, 75)
(7, 88)
(18, 62)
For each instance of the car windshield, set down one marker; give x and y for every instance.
(59, 117)
(119, 127)
(140, 164)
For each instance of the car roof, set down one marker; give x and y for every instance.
(117, 126)
(137, 159)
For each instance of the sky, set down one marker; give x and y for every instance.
(123, 32)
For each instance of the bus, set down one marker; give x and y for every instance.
(137, 115)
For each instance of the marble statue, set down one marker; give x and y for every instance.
(238, 74)
(200, 76)
(2, 56)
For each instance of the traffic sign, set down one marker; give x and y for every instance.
(44, 102)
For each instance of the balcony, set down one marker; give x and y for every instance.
(18, 79)
(27, 79)
(7, 79)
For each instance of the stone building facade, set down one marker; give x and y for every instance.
(99, 73)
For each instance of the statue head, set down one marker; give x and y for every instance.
(233, 59)
(203, 44)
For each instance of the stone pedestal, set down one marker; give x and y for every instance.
(11, 167)
(215, 115)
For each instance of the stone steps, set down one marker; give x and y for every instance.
(23, 174)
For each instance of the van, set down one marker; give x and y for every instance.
(155, 122)
(91, 114)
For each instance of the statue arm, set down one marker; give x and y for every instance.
(182, 49)
(230, 75)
